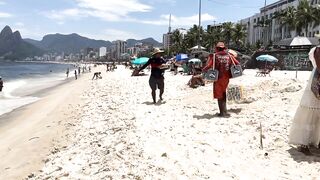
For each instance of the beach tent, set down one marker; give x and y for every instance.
(140, 61)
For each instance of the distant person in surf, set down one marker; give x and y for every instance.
(79, 70)
(1, 84)
(75, 74)
(67, 72)
(158, 67)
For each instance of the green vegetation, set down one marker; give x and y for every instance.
(232, 34)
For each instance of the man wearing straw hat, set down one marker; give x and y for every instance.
(156, 80)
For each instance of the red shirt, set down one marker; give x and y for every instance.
(223, 62)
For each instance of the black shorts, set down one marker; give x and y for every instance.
(156, 83)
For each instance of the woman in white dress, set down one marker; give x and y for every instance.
(305, 128)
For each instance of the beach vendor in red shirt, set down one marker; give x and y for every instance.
(158, 68)
(223, 63)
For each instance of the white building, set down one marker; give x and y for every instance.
(166, 41)
(274, 32)
(102, 51)
(118, 48)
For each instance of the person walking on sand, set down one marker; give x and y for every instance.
(1, 84)
(305, 127)
(75, 74)
(79, 70)
(156, 80)
(223, 63)
(67, 72)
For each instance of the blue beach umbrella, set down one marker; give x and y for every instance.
(181, 57)
(140, 61)
(267, 58)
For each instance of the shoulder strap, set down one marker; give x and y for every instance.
(214, 61)
(231, 57)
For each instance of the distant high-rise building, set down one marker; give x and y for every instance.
(167, 40)
(102, 51)
(118, 48)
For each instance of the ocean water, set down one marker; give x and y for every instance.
(23, 80)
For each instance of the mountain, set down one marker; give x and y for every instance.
(150, 41)
(13, 47)
(71, 43)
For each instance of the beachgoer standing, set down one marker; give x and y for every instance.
(75, 74)
(157, 71)
(67, 72)
(1, 84)
(223, 63)
(79, 70)
(305, 127)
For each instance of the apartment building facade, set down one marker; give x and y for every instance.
(274, 31)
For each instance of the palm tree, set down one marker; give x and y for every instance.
(287, 18)
(227, 31)
(177, 41)
(304, 16)
(212, 36)
(191, 39)
(238, 35)
(316, 15)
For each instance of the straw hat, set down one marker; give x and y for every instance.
(156, 51)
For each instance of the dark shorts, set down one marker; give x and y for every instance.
(156, 83)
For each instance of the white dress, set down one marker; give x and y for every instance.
(305, 128)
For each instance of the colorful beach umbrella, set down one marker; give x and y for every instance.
(140, 61)
(267, 58)
(195, 60)
(181, 57)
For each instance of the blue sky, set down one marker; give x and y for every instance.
(117, 19)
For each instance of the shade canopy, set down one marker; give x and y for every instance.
(195, 60)
(267, 58)
(298, 41)
(140, 61)
(182, 57)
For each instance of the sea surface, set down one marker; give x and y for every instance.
(24, 80)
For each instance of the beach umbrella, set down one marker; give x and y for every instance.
(267, 58)
(181, 57)
(195, 60)
(198, 47)
(140, 61)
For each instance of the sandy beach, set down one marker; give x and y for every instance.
(30, 133)
(111, 130)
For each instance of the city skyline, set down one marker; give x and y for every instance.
(113, 20)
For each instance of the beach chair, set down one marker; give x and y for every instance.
(263, 72)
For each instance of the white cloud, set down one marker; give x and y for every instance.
(5, 15)
(2, 3)
(112, 10)
(180, 21)
(19, 24)
(112, 35)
